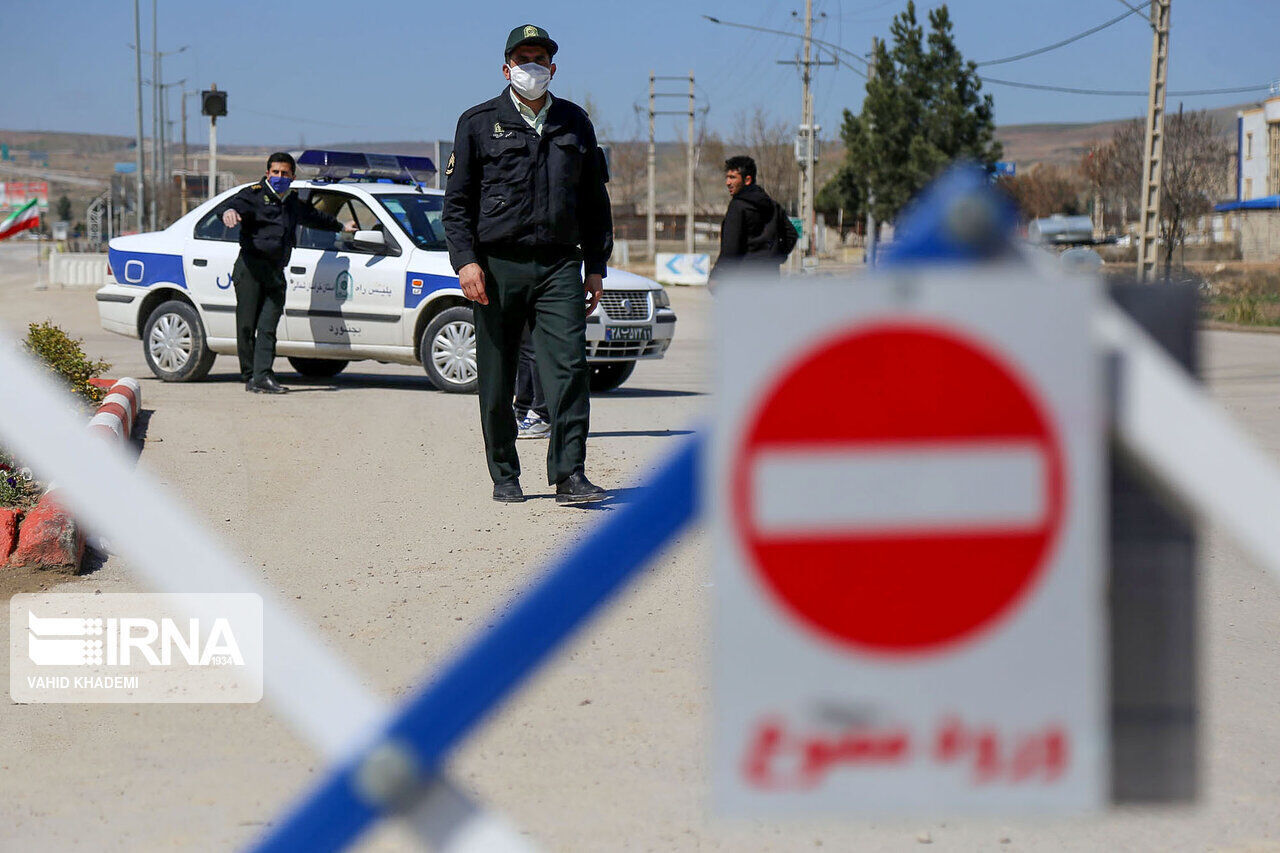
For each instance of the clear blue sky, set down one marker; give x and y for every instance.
(404, 69)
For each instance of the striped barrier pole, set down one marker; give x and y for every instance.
(310, 687)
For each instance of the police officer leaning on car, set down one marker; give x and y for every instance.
(268, 214)
(525, 206)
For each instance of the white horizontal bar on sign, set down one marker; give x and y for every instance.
(899, 488)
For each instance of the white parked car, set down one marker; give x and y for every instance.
(386, 292)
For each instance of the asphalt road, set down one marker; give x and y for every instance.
(365, 502)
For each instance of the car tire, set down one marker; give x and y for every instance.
(448, 350)
(174, 343)
(608, 375)
(318, 368)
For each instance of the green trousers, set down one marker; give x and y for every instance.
(541, 288)
(260, 292)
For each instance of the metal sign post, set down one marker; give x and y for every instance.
(213, 104)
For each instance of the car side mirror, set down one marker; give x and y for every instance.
(369, 240)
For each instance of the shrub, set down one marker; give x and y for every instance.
(65, 359)
(1243, 309)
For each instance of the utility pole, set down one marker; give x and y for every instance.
(1153, 149)
(688, 226)
(155, 114)
(185, 167)
(807, 138)
(213, 150)
(166, 165)
(653, 158)
(137, 45)
(651, 233)
(808, 130)
(870, 241)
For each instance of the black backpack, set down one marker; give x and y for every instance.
(787, 236)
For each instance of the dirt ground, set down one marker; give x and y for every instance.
(365, 502)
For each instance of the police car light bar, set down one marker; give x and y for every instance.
(356, 165)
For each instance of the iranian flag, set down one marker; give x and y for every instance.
(27, 216)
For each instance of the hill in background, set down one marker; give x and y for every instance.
(93, 156)
(1064, 144)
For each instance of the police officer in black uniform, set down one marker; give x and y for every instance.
(268, 214)
(525, 207)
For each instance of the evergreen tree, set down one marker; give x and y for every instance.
(923, 109)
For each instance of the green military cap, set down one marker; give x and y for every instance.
(529, 34)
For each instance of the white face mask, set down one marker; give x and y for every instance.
(530, 80)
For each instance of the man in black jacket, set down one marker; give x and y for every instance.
(749, 234)
(268, 214)
(525, 207)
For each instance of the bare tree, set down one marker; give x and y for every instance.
(627, 158)
(1196, 172)
(628, 173)
(768, 141)
(709, 177)
(1114, 169)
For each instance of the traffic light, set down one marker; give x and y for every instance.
(213, 103)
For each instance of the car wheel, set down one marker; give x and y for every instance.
(318, 368)
(608, 375)
(174, 343)
(448, 350)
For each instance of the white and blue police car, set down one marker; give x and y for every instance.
(385, 292)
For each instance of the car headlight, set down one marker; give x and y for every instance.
(660, 299)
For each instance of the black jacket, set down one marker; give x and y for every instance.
(269, 226)
(507, 186)
(747, 235)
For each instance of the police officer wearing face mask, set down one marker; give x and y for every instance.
(525, 209)
(268, 214)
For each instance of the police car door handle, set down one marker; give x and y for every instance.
(199, 262)
(298, 270)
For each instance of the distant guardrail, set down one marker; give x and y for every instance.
(70, 269)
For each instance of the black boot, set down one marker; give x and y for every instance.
(508, 492)
(577, 489)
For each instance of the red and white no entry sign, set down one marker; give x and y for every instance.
(899, 488)
(906, 497)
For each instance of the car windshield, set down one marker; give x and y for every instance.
(419, 215)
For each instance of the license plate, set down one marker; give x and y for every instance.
(628, 333)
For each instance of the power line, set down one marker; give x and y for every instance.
(835, 49)
(1117, 19)
(297, 118)
(1123, 93)
(837, 52)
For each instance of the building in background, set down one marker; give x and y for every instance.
(1258, 151)
(1256, 210)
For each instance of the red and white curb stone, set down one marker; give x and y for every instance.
(116, 415)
